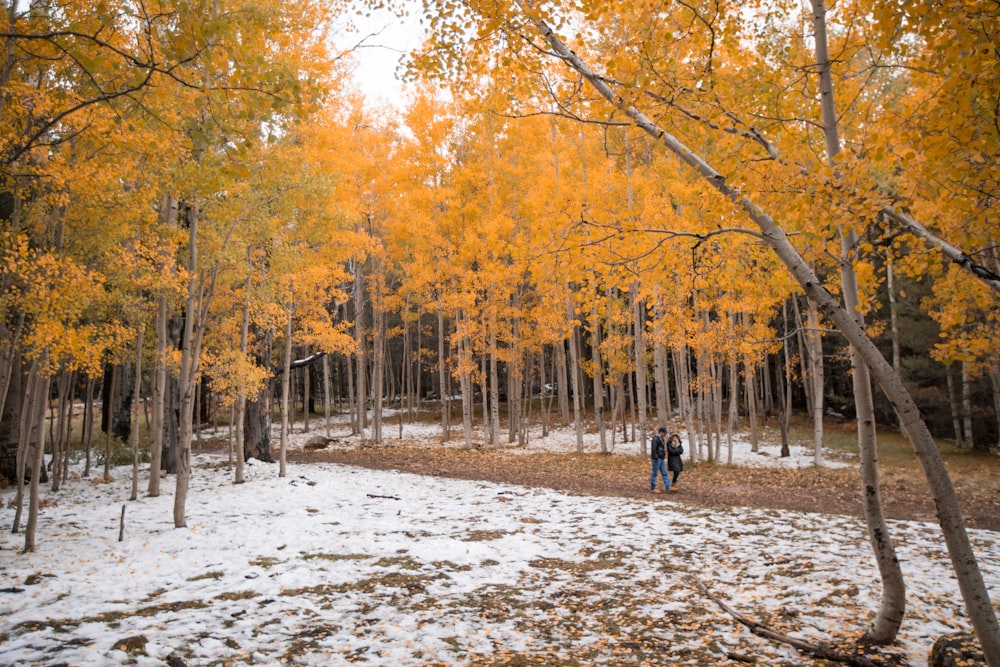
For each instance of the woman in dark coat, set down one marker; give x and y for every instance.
(674, 462)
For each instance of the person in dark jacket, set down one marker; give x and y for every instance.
(658, 452)
(674, 461)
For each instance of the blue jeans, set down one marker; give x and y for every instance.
(659, 466)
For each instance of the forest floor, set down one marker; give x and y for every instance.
(810, 489)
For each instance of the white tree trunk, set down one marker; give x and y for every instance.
(286, 382)
(574, 372)
(640, 364)
(136, 402)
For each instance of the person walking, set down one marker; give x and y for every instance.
(658, 452)
(674, 462)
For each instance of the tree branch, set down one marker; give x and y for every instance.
(761, 630)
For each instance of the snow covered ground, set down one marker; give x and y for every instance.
(334, 565)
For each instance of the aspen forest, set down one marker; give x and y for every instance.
(773, 222)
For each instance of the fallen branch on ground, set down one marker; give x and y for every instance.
(760, 630)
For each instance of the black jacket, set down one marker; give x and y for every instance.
(658, 450)
(674, 452)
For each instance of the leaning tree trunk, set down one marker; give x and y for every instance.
(887, 622)
(970, 579)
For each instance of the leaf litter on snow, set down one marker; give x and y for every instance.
(337, 565)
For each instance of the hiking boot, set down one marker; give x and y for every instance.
(654, 490)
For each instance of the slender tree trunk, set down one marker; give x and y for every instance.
(306, 393)
(59, 423)
(814, 339)
(352, 405)
(241, 398)
(285, 389)
(28, 407)
(684, 400)
(782, 380)
(465, 373)
(893, 315)
(782, 408)
(750, 372)
(187, 380)
(362, 359)
(442, 376)
(561, 377)
(574, 373)
(804, 367)
(200, 289)
(969, 437)
(417, 397)
(378, 344)
(598, 379)
(37, 460)
(326, 395)
(136, 402)
(108, 434)
(734, 407)
(545, 396)
(885, 626)
(956, 411)
(640, 363)
(67, 431)
(88, 425)
(994, 372)
(717, 405)
(159, 399)
(662, 383)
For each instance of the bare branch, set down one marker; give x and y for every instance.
(824, 652)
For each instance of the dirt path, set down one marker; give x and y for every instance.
(825, 490)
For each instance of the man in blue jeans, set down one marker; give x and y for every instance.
(658, 451)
